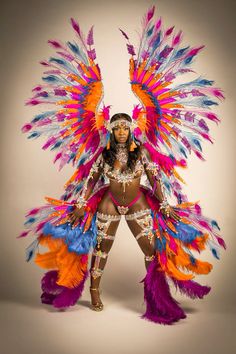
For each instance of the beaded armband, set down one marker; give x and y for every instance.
(81, 202)
(150, 165)
(94, 168)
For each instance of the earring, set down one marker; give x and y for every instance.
(109, 143)
(132, 146)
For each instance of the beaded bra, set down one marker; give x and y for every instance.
(127, 176)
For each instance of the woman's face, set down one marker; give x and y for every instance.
(121, 132)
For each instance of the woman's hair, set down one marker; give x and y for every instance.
(110, 154)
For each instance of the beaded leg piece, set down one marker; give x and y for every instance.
(96, 272)
(103, 222)
(144, 220)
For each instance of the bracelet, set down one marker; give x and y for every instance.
(165, 205)
(81, 202)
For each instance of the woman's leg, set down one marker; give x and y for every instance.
(160, 306)
(139, 220)
(107, 223)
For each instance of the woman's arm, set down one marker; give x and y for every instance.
(92, 179)
(153, 175)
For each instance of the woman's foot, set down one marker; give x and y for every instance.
(96, 304)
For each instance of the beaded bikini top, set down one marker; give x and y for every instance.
(126, 176)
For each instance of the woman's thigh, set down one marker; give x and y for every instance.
(108, 220)
(140, 223)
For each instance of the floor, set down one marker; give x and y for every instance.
(28, 327)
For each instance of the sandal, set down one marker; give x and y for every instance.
(98, 306)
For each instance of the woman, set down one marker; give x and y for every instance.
(170, 123)
(124, 169)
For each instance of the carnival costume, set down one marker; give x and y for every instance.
(170, 124)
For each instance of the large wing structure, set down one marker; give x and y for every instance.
(175, 103)
(73, 125)
(171, 123)
(76, 129)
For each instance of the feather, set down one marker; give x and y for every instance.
(30, 250)
(191, 288)
(55, 44)
(90, 40)
(160, 306)
(124, 34)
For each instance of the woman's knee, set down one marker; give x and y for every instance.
(147, 247)
(105, 245)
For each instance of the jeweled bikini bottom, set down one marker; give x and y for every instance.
(123, 209)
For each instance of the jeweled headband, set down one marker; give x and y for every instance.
(122, 122)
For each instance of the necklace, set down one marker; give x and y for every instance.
(122, 153)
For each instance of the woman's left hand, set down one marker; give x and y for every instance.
(170, 212)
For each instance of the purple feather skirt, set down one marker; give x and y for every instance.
(160, 305)
(59, 296)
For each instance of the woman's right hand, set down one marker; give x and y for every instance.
(76, 215)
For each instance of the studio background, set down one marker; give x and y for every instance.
(28, 174)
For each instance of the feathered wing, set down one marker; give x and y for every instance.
(76, 129)
(72, 86)
(171, 123)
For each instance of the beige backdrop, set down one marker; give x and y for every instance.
(28, 174)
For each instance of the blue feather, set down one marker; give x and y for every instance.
(192, 260)
(30, 250)
(157, 41)
(197, 143)
(180, 52)
(215, 253)
(150, 31)
(206, 82)
(30, 221)
(160, 245)
(214, 224)
(56, 145)
(34, 135)
(42, 116)
(50, 78)
(210, 103)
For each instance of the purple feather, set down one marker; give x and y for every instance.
(67, 56)
(158, 24)
(169, 31)
(92, 54)
(26, 128)
(124, 34)
(221, 242)
(44, 63)
(177, 39)
(76, 27)
(37, 88)
(160, 306)
(150, 14)
(90, 40)
(60, 296)
(191, 288)
(130, 49)
(55, 44)
(23, 234)
(202, 124)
